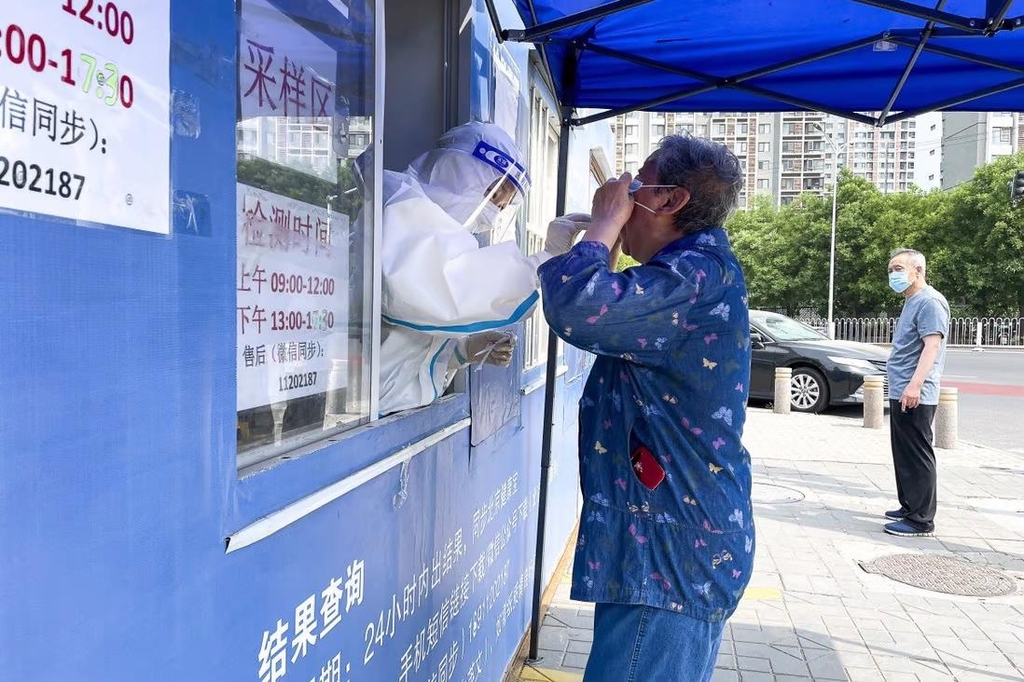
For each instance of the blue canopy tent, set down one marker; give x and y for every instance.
(846, 57)
(875, 61)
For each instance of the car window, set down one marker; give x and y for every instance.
(783, 328)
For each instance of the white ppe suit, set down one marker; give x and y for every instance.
(439, 284)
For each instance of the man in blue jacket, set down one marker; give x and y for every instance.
(666, 539)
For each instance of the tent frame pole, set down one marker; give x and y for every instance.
(549, 411)
(926, 34)
(536, 33)
(733, 82)
(972, 25)
(551, 379)
(911, 41)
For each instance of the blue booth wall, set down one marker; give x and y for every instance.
(118, 481)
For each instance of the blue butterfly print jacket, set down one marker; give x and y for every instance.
(672, 339)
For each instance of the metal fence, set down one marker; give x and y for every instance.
(974, 332)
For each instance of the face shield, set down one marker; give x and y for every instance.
(497, 211)
(500, 204)
(476, 177)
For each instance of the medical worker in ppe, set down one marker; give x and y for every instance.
(446, 297)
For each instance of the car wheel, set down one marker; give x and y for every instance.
(808, 391)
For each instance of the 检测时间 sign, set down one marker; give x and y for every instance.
(84, 111)
(292, 294)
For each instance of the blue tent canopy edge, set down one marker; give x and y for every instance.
(877, 61)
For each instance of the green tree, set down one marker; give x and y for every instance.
(871, 226)
(303, 184)
(778, 249)
(985, 245)
(972, 237)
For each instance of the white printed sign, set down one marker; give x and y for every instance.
(292, 293)
(85, 111)
(283, 70)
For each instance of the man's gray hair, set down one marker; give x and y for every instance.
(916, 257)
(711, 173)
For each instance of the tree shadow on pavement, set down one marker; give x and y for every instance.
(756, 650)
(827, 507)
(774, 653)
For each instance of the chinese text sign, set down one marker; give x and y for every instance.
(292, 293)
(84, 111)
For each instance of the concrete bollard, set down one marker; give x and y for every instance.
(874, 401)
(947, 416)
(783, 393)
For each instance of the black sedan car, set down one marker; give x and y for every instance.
(825, 372)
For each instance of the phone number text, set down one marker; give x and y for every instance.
(290, 382)
(32, 177)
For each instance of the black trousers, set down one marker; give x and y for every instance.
(913, 459)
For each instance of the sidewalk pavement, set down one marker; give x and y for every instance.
(821, 485)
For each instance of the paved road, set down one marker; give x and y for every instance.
(991, 387)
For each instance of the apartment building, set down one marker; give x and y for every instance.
(310, 143)
(784, 154)
(928, 170)
(885, 157)
(972, 139)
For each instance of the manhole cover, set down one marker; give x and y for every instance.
(769, 493)
(942, 574)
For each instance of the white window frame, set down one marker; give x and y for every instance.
(260, 460)
(543, 165)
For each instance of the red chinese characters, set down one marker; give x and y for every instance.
(280, 85)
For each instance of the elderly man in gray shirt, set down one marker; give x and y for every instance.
(914, 368)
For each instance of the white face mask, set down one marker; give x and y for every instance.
(484, 219)
(505, 227)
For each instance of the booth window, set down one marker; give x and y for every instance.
(305, 99)
(543, 156)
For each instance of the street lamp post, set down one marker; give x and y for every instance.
(832, 254)
(832, 246)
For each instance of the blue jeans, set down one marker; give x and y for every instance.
(635, 643)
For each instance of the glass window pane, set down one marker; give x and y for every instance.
(306, 79)
(543, 154)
